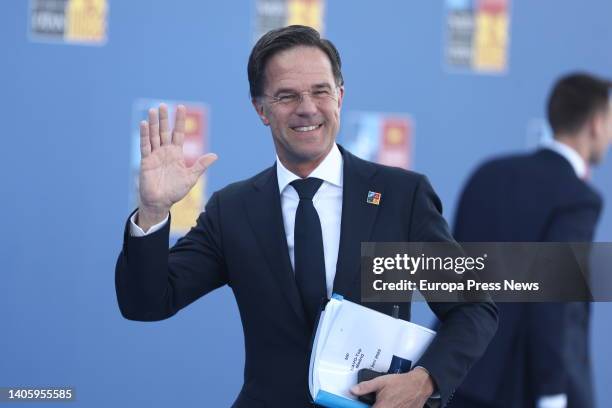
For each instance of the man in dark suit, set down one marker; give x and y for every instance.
(539, 356)
(263, 236)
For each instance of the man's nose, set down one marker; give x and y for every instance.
(306, 105)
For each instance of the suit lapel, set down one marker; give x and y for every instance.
(358, 218)
(266, 219)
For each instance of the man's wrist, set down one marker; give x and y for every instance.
(146, 217)
(424, 378)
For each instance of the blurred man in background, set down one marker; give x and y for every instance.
(539, 356)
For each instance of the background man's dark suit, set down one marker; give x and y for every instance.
(240, 241)
(539, 349)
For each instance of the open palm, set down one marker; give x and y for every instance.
(164, 176)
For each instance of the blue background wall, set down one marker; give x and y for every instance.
(65, 115)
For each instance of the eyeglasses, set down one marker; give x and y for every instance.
(294, 99)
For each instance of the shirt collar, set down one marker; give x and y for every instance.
(570, 155)
(329, 170)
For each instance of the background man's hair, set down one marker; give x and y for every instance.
(574, 99)
(283, 39)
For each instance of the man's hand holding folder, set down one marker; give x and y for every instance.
(408, 390)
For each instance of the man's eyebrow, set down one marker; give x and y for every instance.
(321, 85)
(285, 90)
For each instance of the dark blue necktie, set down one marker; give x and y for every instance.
(308, 249)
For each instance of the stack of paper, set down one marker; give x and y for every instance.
(350, 337)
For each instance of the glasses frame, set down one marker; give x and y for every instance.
(276, 100)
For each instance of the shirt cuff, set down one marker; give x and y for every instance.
(552, 401)
(136, 231)
(436, 394)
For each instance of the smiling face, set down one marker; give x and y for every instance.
(304, 128)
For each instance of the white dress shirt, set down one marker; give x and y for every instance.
(328, 203)
(570, 155)
(136, 231)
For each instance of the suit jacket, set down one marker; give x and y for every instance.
(540, 348)
(240, 241)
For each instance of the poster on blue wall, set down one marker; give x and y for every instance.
(271, 14)
(385, 138)
(185, 212)
(477, 36)
(81, 22)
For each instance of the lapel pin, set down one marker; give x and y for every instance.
(373, 198)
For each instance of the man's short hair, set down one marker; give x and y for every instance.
(282, 39)
(575, 98)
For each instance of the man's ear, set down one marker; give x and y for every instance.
(597, 125)
(259, 108)
(340, 96)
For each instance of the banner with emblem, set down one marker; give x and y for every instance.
(185, 212)
(478, 35)
(385, 138)
(69, 21)
(271, 14)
